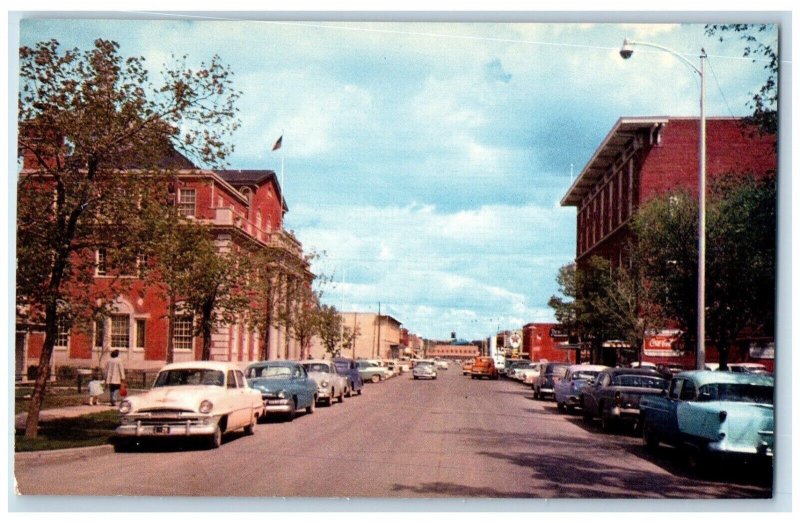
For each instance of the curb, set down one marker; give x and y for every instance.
(65, 453)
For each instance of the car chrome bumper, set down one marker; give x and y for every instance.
(277, 405)
(192, 427)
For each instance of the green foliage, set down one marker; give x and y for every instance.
(330, 329)
(764, 102)
(740, 257)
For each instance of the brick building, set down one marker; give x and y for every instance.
(449, 350)
(243, 210)
(642, 158)
(546, 341)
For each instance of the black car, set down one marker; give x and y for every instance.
(543, 383)
(614, 395)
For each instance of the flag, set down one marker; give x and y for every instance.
(278, 144)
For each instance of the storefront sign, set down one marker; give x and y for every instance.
(762, 351)
(665, 344)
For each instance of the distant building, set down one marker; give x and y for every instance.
(452, 351)
(376, 339)
(547, 341)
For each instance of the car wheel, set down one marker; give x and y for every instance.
(349, 393)
(606, 421)
(696, 460)
(312, 407)
(649, 439)
(359, 392)
(292, 408)
(341, 397)
(375, 378)
(416, 377)
(560, 406)
(250, 429)
(124, 445)
(216, 438)
(586, 414)
(537, 394)
(570, 409)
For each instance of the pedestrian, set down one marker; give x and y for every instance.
(95, 390)
(115, 375)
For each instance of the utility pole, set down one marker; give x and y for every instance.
(379, 330)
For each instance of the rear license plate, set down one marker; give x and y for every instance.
(161, 429)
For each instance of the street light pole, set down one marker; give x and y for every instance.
(626, 52)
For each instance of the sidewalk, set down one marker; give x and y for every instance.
(62, 412)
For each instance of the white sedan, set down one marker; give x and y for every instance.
(197, 398)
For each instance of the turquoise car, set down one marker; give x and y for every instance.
(285, 387)
(712, 414)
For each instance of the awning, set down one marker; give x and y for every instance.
(616, 344)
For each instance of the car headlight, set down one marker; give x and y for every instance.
(282, 394)
(125, 407)
(324, 383)
(206, 406)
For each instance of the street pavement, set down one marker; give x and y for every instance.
(447, 438)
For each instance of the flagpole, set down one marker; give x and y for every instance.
(283, 187)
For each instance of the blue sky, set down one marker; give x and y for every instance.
(427, 160)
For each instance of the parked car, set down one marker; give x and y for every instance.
(442, 364)
(330, 384)
(519, 371)
(529, 375)
(713, 414)
(748, 368)
(549, 374)
(615, 394)
(567, 392)
(349, 369)
(372, 371)
(285, 387)
(424, 370)
(466, 368)
(484, 368)
(509, 364)
(405, 365)
(197, 399)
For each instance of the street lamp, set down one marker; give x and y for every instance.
(626, 52)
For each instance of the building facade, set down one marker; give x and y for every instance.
(642, 158)
(379, 336)
(548, 342)
(453, 351)
(243, 211)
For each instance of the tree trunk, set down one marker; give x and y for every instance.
(208, 307)
(268, 321)
(171, 330)
(43, 375)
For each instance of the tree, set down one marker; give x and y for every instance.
(740, 262)
(331, 329)
(98, 140)
(765, 101)
(305, 317)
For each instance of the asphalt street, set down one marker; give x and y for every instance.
(452, 437)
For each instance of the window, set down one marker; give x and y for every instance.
(240, 381)
(142, 262)
(140, 333)
(120, 331)
(688, 391)
(183, 334)
(62, 333)
(101, 261)
(186, 202)
(99, 333)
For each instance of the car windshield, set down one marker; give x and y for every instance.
(269, 372)
(175, 377)
(317, 367)
(556, 369)
(424, 365)
(585, 374)
(342, 366)
(741, 392)
(638, 380)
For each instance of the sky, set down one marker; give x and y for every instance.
(425, 162)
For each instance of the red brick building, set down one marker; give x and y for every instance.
(240, 208)
(642, 158)
(546, 341)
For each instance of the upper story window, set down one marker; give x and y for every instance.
(187, 202)
(101, 262)
(62, 333)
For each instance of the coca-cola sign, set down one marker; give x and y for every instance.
(664, 344)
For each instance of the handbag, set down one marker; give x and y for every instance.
(123, 390)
